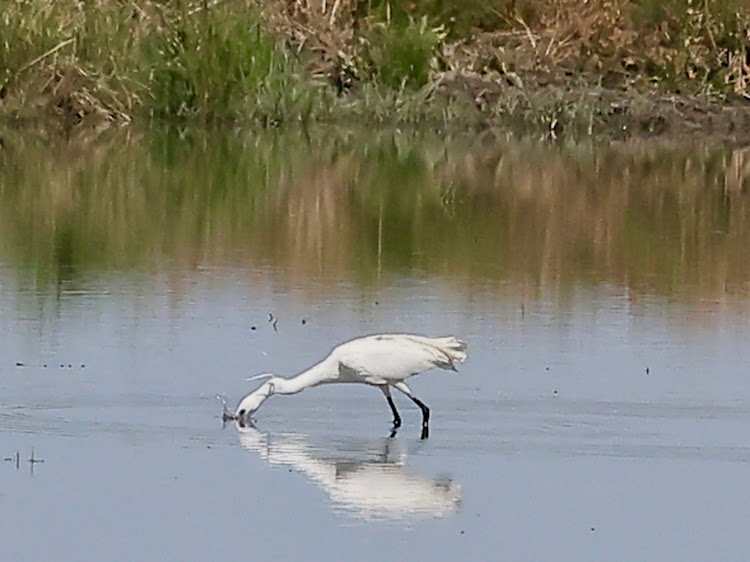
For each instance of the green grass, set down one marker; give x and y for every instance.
(188, 60)
(121, 60)
(221, 64)
(59, 57)
(268, 63)
(403, 54)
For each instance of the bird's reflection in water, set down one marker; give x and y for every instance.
(366, 480)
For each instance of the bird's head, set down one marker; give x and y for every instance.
(250, 403)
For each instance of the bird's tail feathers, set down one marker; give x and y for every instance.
(453, 348)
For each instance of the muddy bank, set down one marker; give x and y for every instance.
(559, 103)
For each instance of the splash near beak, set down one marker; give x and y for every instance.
(226, 415)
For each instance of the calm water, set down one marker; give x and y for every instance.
(604, 292)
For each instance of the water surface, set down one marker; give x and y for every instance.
(603, 291)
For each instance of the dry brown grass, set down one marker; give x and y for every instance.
(689, 45)
(528, 61)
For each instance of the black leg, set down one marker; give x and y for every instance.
(425, 417)
(396, 417)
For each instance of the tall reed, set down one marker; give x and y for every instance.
(269, 62)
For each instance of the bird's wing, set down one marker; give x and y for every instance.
(386, 359)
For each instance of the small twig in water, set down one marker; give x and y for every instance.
(32, 459)
(16, 458)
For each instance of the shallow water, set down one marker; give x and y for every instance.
(603, 292)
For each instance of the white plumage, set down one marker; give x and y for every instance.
(384, 360)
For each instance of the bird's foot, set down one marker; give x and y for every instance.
(425, 432)
(394, 428)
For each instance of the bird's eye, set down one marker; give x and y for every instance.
(242, 413)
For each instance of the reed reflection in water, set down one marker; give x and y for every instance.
(336, 206)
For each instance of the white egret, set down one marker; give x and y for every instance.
(384, 361)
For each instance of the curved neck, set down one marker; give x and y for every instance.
(321, 373)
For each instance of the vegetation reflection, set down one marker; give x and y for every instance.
(327, 205)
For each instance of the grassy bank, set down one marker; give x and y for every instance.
(555, 65)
